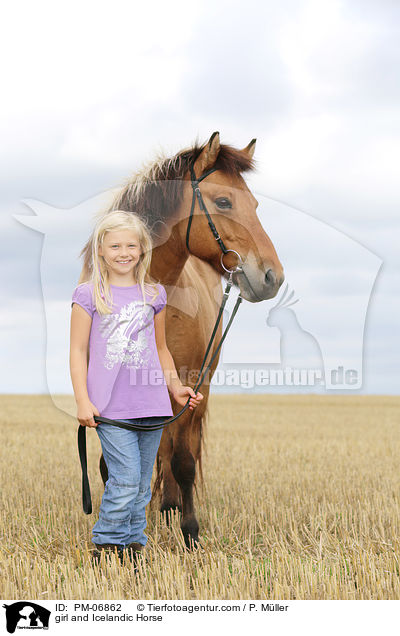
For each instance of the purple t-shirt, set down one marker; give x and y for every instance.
(125, 378)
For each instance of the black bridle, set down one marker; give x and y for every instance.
(86, 497)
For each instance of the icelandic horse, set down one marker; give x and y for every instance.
(161, 194)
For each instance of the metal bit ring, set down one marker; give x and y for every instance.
(237, 268)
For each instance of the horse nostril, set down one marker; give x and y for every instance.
(270, 277)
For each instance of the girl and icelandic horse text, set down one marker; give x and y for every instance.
(189, 258)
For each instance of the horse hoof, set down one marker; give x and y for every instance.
(168, 509)
(191, 542)
(191, 536)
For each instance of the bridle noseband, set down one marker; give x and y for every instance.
(86, 498)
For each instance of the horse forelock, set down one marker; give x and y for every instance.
(155, 191)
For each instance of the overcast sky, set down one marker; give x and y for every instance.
(91, 91)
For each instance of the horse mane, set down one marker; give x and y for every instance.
(155, 191)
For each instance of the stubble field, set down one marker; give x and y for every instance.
(300, 501)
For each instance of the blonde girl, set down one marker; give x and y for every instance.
(118, 317)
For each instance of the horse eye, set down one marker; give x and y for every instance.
(223, 203)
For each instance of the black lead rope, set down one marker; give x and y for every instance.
(86, 496)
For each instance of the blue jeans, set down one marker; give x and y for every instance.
(130, 457)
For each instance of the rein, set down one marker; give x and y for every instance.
(86, 497)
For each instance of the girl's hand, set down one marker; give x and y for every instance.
(85, 413)
(182, 393)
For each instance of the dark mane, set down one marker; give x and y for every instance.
(156, 190)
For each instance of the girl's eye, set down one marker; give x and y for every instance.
(224, 203)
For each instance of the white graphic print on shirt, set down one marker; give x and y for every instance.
(119, 329)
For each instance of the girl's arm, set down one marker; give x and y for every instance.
(179, 392)
(81, 323)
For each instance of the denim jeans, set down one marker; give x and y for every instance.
(130, 457)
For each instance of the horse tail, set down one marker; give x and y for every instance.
(202, 434)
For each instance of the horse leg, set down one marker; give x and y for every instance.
(170, 496)
(170, 499)
(183, 465)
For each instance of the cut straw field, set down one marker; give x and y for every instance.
(301, 501)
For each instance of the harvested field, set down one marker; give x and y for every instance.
(300, 501)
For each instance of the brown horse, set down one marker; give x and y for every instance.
(162, 195)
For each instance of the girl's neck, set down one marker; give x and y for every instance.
(122, 281)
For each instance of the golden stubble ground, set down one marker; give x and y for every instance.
(301, 501)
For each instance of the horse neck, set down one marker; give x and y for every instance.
(168, 260)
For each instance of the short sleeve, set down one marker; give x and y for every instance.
(161, 299)
(83, 296)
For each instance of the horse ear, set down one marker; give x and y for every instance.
(208, 156)
(249, 150)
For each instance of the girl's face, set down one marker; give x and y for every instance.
(121, 251)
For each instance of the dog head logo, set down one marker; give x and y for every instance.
(26, 615)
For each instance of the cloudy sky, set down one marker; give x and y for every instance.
(91, 91)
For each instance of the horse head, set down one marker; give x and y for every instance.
(232, 208)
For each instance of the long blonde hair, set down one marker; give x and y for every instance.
(119, 220)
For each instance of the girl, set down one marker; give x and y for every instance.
(120, 314)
